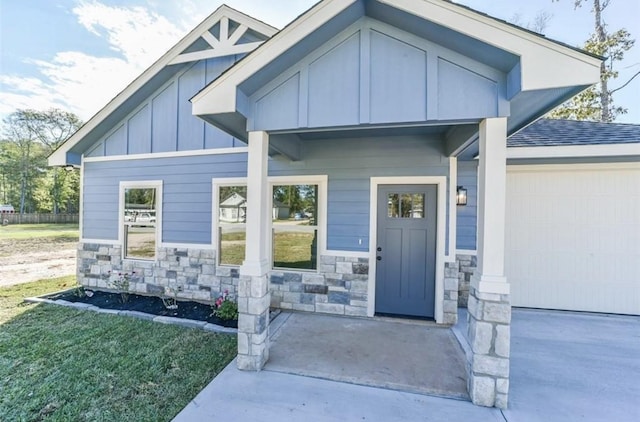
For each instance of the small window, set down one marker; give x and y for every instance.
(140, 222)
(232, 218)
(295, 226)
(405, 205)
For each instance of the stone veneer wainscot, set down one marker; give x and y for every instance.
(340, 287)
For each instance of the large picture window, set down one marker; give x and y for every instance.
(140, 217)
(295, 226)
(297, 216)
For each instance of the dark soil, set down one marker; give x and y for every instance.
(146, 304)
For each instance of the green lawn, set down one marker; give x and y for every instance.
(30, 231)
(290, 249)
(60, 364)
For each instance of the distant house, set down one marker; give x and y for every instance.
(392, 111)
(233, 209)
(280, 211)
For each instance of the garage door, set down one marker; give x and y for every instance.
(573, 237)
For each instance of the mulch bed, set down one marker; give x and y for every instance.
(146, 304)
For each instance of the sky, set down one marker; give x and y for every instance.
(78, 54)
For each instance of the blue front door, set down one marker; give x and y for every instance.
(405, 270)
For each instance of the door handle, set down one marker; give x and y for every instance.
(379, 258)
(379, 249)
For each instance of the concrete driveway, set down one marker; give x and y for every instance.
(569, 366)
(564, 367)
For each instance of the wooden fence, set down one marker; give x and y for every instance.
(15, 218)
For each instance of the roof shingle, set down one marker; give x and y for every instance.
(552, 132)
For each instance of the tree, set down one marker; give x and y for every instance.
(30, 136)
(596, 103)
(539, 23)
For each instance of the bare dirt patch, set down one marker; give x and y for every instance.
(25, 260)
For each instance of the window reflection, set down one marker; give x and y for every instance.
(405, 205)
(140, 223)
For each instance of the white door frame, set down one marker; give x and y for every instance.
(441, 184)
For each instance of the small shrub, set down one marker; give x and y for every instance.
(225, 308)
(121, 283)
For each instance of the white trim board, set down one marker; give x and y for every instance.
(81, 199)
(453, 209)
(441, 184)
(101, 241)
(574, 151)
(171, 154)
(466, 252)
(513, 168)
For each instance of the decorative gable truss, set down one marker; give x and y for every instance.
(226, 32)
(227, 37)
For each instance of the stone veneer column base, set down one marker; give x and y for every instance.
(253, 322)
(467, 264)
(489, 337)
(450, 304)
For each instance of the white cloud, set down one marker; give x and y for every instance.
(84, 83)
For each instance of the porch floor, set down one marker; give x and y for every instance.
(411, 356)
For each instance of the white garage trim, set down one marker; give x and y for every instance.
(574, 151)
(573, 232)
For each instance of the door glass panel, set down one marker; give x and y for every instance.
(417, 205)
(393, 206)
(405, 205)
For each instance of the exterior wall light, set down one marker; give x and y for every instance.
(461, 196)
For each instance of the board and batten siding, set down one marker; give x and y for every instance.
(164, 121)
(187, 215)
(186, 202)
(374, 73)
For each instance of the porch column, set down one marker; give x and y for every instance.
(253, 287)
(489, 306)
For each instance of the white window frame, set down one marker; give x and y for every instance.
(320, 180)
(142, 184)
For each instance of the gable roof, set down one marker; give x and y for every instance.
(171, 63)
(541, 73)
(235, 200)
(552, 132)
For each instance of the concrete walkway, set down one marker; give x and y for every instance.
(271, 396)
(565, 367)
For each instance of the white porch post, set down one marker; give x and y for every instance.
(489, 306)
(253, 288)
